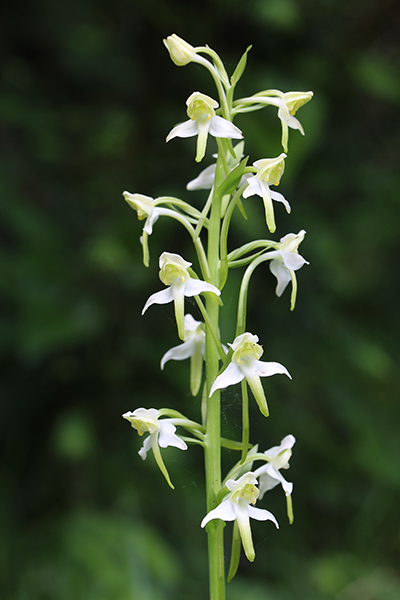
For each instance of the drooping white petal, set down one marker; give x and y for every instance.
(146, 447)
(168, 437)
(183, 130)
(151, 219)
(222, 128)
(284, 115)
(162, 297)
(261, 514)
(280, 198)
(180, 352)
(266, 369)
(230, 376)
(282, 275)
(194, 287)
(292, 260)
(225, 511)
(270, 478)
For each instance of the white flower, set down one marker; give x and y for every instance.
(162, 433)
(245, 364)
(174, 273)
(193, 347)
(269, 172)
(288, 105)
(144, 206)
(202, 121)
(278, 458)
(236, 506)
(285, 261)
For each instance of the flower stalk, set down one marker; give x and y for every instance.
(229, 183)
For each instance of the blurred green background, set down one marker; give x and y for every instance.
(88, 95)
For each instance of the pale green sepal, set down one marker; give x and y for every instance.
(289, 508)
(196, 369)
(145, 247)
(294, 290)
(235, 553)
(256, 387)
(179, 306)
(160, 462)
(238, 72)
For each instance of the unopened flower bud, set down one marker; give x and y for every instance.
(180, 51)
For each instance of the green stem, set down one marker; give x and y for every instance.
(212, 449)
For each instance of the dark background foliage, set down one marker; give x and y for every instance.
(88, 94)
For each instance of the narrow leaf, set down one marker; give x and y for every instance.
(238, 72)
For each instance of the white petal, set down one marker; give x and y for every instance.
(253, 188)
(190, 323)
(224, 511)
(162, 297)
(266, 369)
(151, 219)
(224, 129)
(282, 275)
(184, 130)
(180, 352)
(194, 287)
(145, 448)
(292, 260)
(168, 437)
(260, 514)
(230, 376)
(280, 198)
(271, 478)
(204, 181)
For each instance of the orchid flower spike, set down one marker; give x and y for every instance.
(268, 172)
(288, 105)
(162, 433)
(202, 121)
(194, 341)
(174, 273)
(285, 261)
(245, 365)
(237, 507)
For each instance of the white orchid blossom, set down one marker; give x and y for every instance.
(202, 121)
(237, 507)
(245, 365)
(278, 458)
(288, 104)
(145, 208)
(174, 273)
(194, 341)
(285, 261)
(162, 433)
(269, 172)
